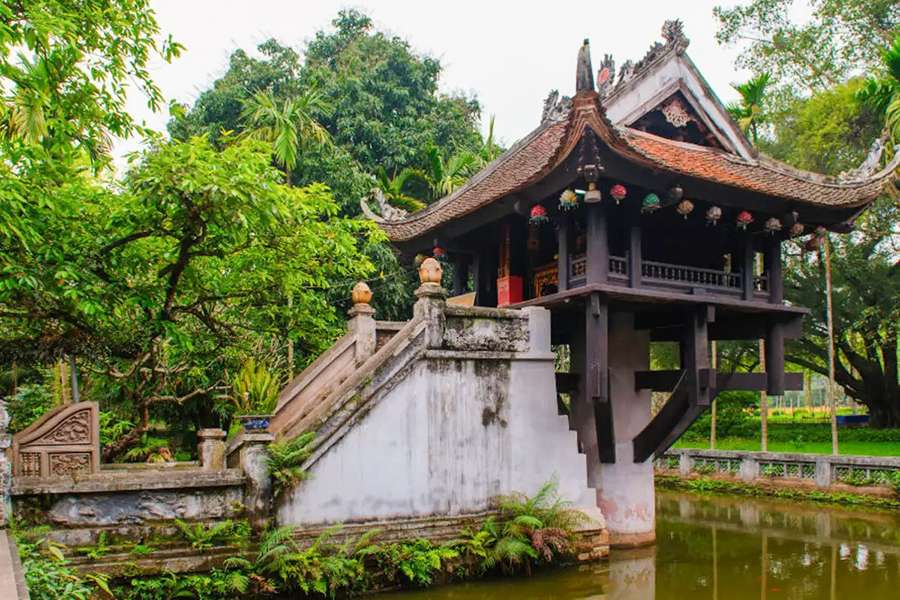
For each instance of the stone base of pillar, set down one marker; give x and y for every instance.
(626, 496)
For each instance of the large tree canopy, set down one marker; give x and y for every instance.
(824, 117)
(841, 38)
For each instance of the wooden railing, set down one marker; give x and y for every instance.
(693, 276)
(653, 274)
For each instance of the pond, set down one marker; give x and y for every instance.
(725, 548)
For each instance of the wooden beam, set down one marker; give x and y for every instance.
(597, 259)
(775, 360)
(562, 265)
(747, 266)
(596, 375)
(668, 424)
(634, 246)
(665, 380)
(743, 327)
(774, 269)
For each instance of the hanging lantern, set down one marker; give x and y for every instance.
(813, 243)
(439, 253)
(567, 200)
(744, 218)
(593, 194)
(684, 208)
(618, 192)
(772, 225)
(538, 215)
(713, 214)
(650, 203)
(796, 229)
(821, 231)
(675, 193)
(420, 258)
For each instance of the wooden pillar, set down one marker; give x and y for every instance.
(562, 268)
(596, 374)
(774, 350)
(597, 267)
(774, 270)
(634, 247)
(460, 274)
(695, 353)
(747, 266)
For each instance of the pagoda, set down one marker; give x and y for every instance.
(638, 212)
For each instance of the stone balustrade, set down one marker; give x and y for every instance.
(821, 469)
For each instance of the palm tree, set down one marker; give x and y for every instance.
(748, 112)
(444, 176)
(288, 125)
(489, 149)
(396, 188)
(882, 93)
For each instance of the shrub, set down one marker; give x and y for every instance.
(49, 576)
(27, 405)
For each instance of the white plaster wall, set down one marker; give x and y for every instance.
(627, 495)
(452, 435)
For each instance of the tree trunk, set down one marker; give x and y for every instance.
(830, 316)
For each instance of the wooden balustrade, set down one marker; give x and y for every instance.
(654, 274)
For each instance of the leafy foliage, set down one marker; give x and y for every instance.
(285, 460)
(840, 37)
(202, 536)
(49, 576)
(254, 389)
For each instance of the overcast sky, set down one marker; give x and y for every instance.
(509, 54)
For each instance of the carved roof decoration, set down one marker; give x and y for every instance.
(566, 125)
(675, 42)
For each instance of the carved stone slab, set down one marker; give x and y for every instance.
(64, 442)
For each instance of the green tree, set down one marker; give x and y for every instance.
(387, 107)
(288, 125)
(840, 38)
(445, 175)
(881, 92)
(166, 286)
(749, 112)
(866, 281)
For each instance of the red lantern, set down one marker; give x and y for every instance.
(439, 253)
(744, 218)
(618, 192)
(538, 215)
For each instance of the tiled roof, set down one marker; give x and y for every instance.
(532, 158)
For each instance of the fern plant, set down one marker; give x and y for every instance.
(535, 528)
(203, 537)
(254, 389)
(285, 461)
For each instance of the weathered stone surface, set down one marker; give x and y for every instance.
(211, 448)
(100, 510)
(478, 333)
(248, 451)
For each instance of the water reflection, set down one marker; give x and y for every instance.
(728, 548)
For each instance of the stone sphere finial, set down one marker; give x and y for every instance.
(361, 293)
(430, 271)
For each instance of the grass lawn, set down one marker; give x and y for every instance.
(848, 447)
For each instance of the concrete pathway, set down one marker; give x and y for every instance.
(12, 584)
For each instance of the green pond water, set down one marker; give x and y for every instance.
(729, 549)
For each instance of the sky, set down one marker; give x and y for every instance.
(508, 54)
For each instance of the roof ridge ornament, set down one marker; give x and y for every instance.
(673, 33)
(556, 109)
(584, 72)
(868, 166)
(388, 213)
